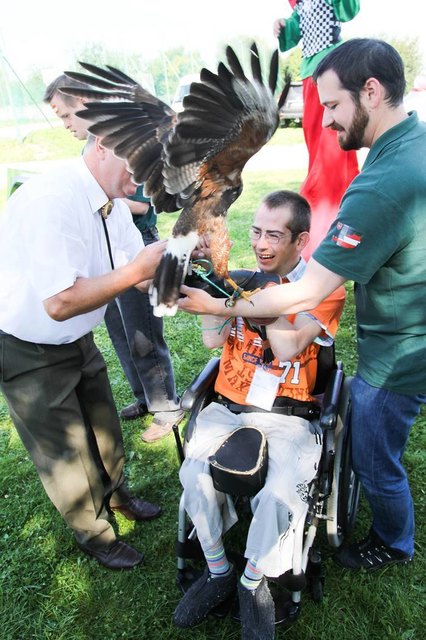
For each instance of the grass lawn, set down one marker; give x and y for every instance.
(44, 144)
(50, 591)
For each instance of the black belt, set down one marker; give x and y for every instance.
(308, 410)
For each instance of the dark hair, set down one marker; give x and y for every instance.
(301, 218)
(358, 59)
(56, 85)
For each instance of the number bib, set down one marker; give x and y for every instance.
(263, 389)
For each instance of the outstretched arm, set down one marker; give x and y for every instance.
(315, 285)
(136, 207)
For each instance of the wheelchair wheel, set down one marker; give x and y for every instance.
(350, 486)
(342, 504)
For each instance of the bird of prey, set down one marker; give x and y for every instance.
(190, 161)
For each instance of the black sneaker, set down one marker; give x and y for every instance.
(257, 612)
(370, 554)
(204, 595)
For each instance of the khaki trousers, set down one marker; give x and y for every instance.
(61, 404)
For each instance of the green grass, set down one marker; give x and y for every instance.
(50, 591)
(45, 144)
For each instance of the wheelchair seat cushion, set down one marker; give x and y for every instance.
(240, 463)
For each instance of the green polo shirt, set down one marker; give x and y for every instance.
(379, 241)
(150, 218)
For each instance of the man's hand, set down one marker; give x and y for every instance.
(198, 301)
(202, 250)
(149, 258)
(144, 286)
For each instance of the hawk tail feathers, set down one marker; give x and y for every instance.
(170, 274)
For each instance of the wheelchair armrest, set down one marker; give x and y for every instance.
(201, 383)
(330, 403)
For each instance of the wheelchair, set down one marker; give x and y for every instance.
(333, 493)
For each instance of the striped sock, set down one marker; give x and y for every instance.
(251, 577)
(216, 559)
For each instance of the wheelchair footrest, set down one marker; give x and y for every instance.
(290, 581)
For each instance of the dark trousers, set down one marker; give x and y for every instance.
(61, 404)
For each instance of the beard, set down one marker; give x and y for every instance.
(354, 138)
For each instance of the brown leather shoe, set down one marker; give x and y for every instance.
(161, 425)
(133, 411)
(156, 431)
(117, 555)
(136, 509)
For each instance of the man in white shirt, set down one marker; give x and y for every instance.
(136, 334)
(61, 262)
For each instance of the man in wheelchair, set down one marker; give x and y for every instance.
(277, 399)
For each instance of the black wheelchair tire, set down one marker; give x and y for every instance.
(350, 488)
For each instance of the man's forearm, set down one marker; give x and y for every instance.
(316, 284)
(268, 303)
(88, 294)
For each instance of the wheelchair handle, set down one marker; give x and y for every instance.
(331, 399)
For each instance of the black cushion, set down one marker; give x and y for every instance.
(239, 465)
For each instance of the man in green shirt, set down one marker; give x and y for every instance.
(379, 241)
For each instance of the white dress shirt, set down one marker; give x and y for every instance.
(51, 234)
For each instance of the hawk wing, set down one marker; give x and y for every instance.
(131, 122)
(226, 119)
(192, 160)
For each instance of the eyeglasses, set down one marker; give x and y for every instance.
(273, 237)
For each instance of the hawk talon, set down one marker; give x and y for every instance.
(246, 296)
